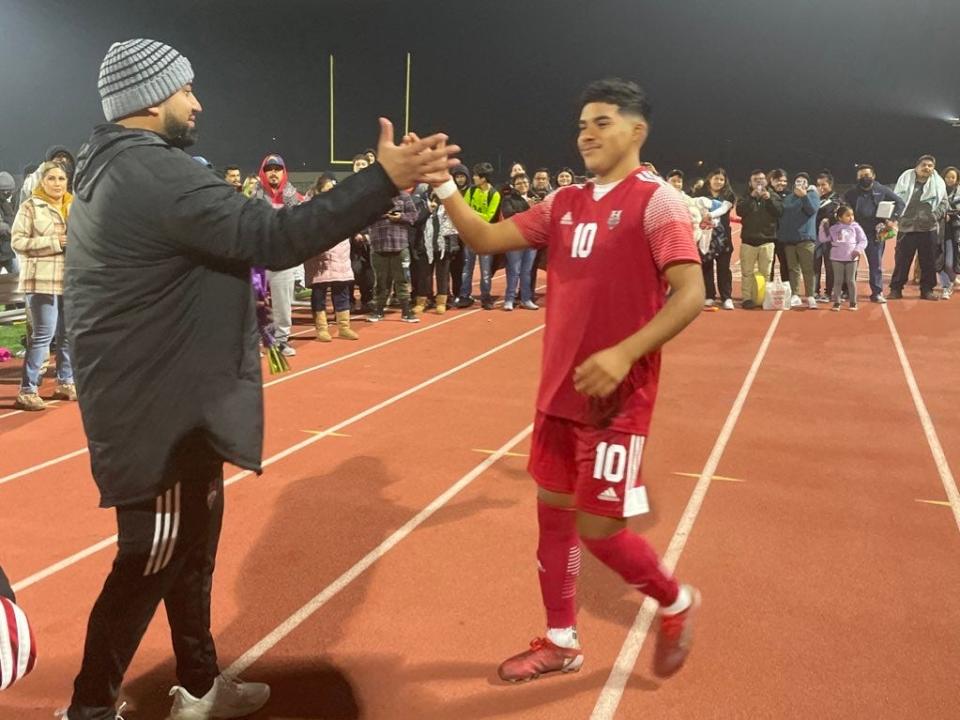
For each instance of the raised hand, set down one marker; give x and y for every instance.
(414, 161)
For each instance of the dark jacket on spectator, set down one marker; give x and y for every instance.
(759, 218)
(799, 220)
(159, 308)
(865, 202)
(8, 212)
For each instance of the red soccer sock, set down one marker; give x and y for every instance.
(558, 555)
(631, 556)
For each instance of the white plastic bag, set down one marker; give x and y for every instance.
(777, 296)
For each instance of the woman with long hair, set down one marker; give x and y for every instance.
(39, 236)
(717, 190)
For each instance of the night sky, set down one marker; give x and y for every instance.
(801, 84)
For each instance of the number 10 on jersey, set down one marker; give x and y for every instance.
(583, 237)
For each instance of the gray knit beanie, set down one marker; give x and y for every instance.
(137, 74)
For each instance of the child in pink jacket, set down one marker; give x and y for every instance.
(847, 240)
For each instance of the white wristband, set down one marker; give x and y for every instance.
(448, 189)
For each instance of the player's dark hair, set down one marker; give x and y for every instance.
(625, 94)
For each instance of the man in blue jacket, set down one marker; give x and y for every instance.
(864, 199)
(798, 233)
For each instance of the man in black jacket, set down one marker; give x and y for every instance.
(864, 199)
(759, 212)
(159, 304)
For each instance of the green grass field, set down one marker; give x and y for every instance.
(10, 336)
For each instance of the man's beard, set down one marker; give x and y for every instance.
(179, 134)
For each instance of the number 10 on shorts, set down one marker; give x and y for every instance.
(611, 463)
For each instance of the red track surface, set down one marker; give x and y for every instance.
(828, 588)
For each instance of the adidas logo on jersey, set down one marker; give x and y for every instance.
(567, 219)
(610, 495)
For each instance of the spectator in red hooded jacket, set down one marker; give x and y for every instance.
(274, 187)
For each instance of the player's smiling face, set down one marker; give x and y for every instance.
(607, 138)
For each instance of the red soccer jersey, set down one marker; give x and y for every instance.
(608, 248)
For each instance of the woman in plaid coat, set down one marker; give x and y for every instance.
(39, 236)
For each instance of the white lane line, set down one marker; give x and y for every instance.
(283, 378)
(612, 692)
(291, 623)
(936, 449)
(20, 412)
(41, 466)
(47, 572)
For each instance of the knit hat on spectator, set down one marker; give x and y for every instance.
(138, 74)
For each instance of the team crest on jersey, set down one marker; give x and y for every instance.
(567, 219)
(614, 219)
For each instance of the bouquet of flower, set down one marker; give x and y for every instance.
(275, 360)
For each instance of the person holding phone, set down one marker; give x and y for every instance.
(759, 213)
(798, 233)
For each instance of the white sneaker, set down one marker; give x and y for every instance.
(946, 293)
(508, 305)
(811, 303)
(529, 305)
(728, 304)
(708, 303)
(287, 350)
(228, 698)
(795, 301)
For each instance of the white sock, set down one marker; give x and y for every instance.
(683, 601)
(563, 637)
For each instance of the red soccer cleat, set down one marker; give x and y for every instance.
(542, 657)
(675, 638)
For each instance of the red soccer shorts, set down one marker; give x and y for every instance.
(600, 467)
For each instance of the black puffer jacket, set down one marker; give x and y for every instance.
(159, 307)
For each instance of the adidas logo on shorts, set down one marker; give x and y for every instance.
(610, 495)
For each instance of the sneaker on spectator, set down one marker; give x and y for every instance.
(63, 713)
(946, 293)
(748, 305)
(374, 315)
(853, 308)
(928, 296)
(65, 391)
(836, 307)
(287, 350)
(228, 698)
(487, 304)
(728, 304)
(811, 303)
(795, 301)
(529, 305)
(409, 316)
(709, 302)
(821, 298)
(508, 305)
(879, 299)
(895, 295)
(543, 657)
(465, 302)
(29, 402)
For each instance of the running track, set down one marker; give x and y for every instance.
(384, 570)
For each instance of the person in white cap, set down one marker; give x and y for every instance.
(160, 308)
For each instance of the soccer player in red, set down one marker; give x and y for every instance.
(615, 245)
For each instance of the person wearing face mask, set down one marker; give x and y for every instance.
(950, 234)
(925, 195)
(865, 199)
